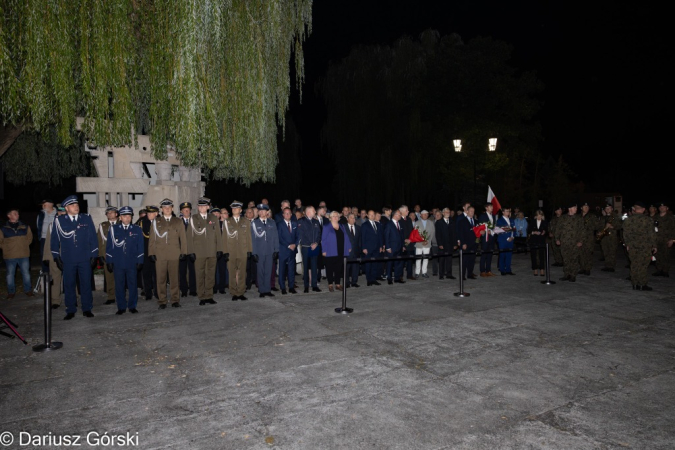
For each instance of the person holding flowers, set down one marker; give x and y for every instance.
(506, 236)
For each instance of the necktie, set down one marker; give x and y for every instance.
(289, 227)
(351, 230)
(447, 221)
(398, 227)
(471, 219)
(125, 227)
(374, 227)
(264, 223)
(72, 218)
(236, 219)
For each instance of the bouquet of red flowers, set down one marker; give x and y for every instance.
(478, 229)
(415, 236)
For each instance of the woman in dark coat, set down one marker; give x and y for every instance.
(335, 245)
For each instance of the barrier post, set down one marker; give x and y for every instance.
(344, 309)
(48, 345)
(461, 292)
(548, 269)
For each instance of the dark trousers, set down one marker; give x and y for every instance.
(395, 266)
(251, 273)
(538, 255)
(222, 276)
(444, 263)
(126, 278)
(149, 279)
(287, 270)
(373, 270)
(43, 265)
(468, 262)
(353, 272)
(71, 273)
(410, 263)
(505, 257)
(334, 269)
(486, 257)
(309, 263)
(187, 277)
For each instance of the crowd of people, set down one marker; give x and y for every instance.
(168, 256)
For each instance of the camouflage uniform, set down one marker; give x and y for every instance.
(640, 238)
(557, 253)
(569, 231)
(610, 242)
(666, 226)
(591, 224)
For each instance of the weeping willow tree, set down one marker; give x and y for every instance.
(208, 79)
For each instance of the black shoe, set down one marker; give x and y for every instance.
(193, 294)
(665, 274)
(211, 301)
(292, 291)
(248, 287)
(628, 278)
(355, 285)
(452, 278)
(183, 294)
(235, 298)
(162, 306)
(275, 289)
(88, 314)
(390, 282)
(69, 316)
(376, 283)
(399, 281)
(382, 278)
(262, 295)
(202, 302)
(269, 294)
(557, 265)
(368, 283)
(316, 289)
(572, 279)
(510, 273)
(503, 273)
(120, 312)
(148, 298)
(306, 290)
(637, 287)
(607, 269)
(581, 272)
(588, 273)
(565, 278)
(221, 292)
(441, 278)
(646, 288)
(55, 306)
(472, 277)
(142, 293)
(283, 292)
(242, 298)
(657, 274)
(133, 311)
(176, 305)
(109, 302)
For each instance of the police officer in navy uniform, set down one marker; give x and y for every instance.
(75, 250)
(265, 248)
(186, 267)
(125, 254)
(289, 238)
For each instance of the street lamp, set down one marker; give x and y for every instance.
(492, 146)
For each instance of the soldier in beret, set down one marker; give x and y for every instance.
(168, 245)
(640, 239)
(569, 236)
(609, 237)
(112, 214)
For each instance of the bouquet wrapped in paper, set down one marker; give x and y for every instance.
(478, 228)
(415, 236)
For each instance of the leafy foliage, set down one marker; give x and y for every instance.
(209, 79)
(393, 112)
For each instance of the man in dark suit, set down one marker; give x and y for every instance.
(279, 217)
(371, 246)
(467, 241)
(407, 225)
(487, 242)
(354, 235)
(394, 244)
(186, 267)
(447, 243)
(288, 248)
(345, 214)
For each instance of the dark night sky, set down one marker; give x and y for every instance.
(603, 66)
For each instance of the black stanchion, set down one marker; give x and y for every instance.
(48, 345)
(548, 269)
(344, 309)
(461, 292)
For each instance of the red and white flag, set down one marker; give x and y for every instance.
(493, 199)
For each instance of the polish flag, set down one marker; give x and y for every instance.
(492, 199)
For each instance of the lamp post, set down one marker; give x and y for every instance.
(492, 146)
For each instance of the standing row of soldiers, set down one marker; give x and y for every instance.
(643, 236)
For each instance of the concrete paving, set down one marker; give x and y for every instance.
(518, 364)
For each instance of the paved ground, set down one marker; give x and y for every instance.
(517, 365)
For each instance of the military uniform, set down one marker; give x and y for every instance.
(186, 267)
(74, 247)
(569, 231)
(591, 225)
(556, 250)
(125, 255)
(237, 244)
(610, 241)
(204, 246)
(168, 244)
(666, 232)
(639, 237)
(265, 239)
(149, 274)
(103, 229)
